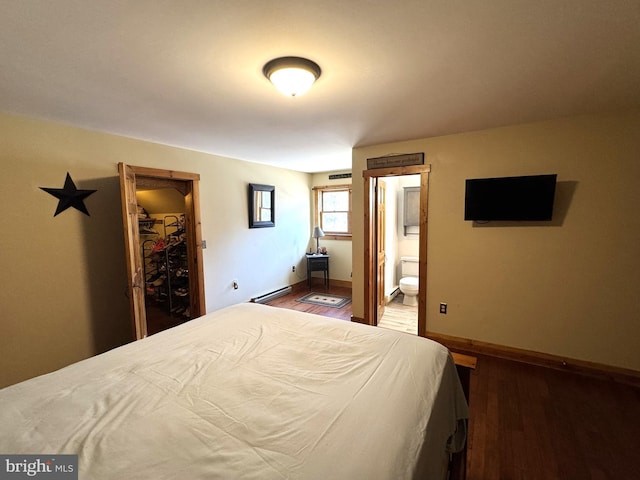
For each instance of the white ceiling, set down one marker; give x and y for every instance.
(188, 73)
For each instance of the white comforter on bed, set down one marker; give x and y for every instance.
(251, 392)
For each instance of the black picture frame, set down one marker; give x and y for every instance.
(262, 205)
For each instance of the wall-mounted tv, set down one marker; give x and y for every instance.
(524, 198)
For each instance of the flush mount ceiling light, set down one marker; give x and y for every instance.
(292, 76)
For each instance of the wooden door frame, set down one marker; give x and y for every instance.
(189, 185)
(370, 266)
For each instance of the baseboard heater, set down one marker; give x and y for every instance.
(267, 297)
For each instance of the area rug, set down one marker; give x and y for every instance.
(325, 300)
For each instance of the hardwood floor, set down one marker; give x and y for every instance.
(530, 423)
(159, 319)
(290, 301)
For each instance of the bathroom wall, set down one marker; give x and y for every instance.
(398, 244)
(408, 245)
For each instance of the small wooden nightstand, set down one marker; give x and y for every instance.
(318, 263)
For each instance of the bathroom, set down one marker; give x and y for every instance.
(402, 240)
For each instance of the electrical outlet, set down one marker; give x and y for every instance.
(204, 244)
(293, 268)
(443, 308)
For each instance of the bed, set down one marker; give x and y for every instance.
(252, 392)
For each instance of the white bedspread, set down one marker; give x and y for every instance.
(251, 392)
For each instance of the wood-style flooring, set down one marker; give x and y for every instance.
(159, 319)
(530, 422)
(534, 423)
(400, 317)
(290, 301)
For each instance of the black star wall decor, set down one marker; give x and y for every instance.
(69, 196)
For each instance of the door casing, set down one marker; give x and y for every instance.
(370, 239)
(188, 184)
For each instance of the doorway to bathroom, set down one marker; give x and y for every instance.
(399, 232)
(406, 233)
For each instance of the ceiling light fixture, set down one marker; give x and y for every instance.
(292, 76)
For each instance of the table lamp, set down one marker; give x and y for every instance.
(317, 233)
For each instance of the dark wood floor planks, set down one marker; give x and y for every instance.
(535, 423)
(531, 422)
(290, 301)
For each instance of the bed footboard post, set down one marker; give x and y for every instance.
(464, 365)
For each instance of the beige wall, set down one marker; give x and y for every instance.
(569, 287)
(63, 279)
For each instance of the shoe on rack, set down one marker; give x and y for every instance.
(152, 278)
(159, 245)
(182, 272)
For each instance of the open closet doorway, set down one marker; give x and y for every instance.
(163, 240)
(374, 222)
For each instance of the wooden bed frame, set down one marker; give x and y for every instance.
(464, 365)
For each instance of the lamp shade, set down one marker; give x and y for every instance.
(292, 76)
(317, 233)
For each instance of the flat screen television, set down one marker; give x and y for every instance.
(524, 198)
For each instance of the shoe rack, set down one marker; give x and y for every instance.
(166, 270)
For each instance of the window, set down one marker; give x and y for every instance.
(333, 210)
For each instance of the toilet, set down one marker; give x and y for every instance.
(409, 280)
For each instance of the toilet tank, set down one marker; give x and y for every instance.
(409, 267)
